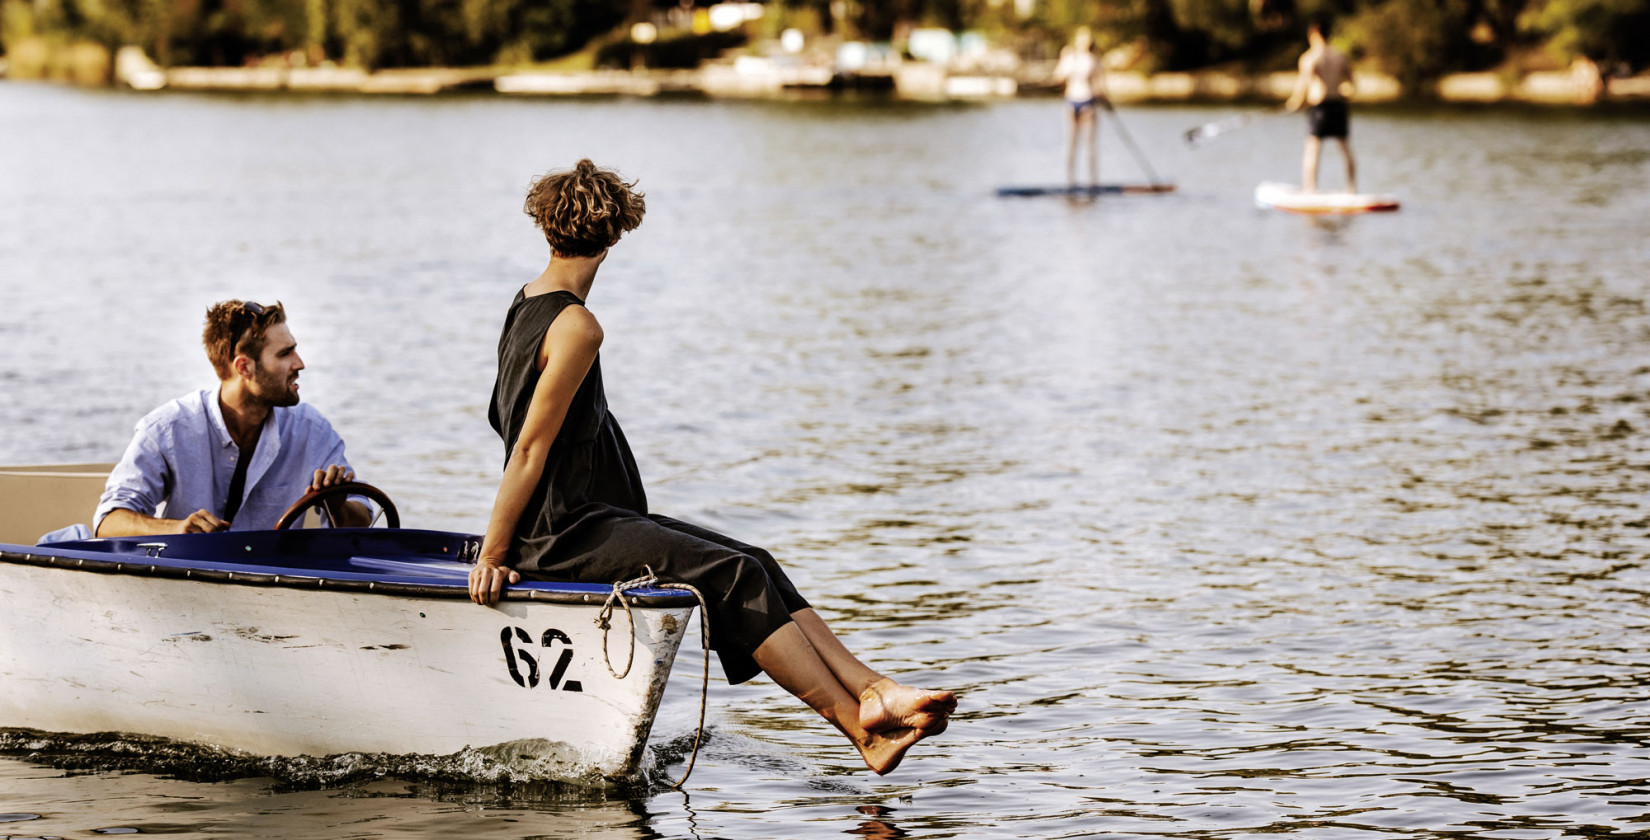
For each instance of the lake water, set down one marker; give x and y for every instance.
(1223, 523)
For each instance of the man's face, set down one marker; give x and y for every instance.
(275, 375)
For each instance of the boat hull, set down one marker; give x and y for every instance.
(324, 664)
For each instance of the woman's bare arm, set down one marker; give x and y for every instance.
(565, 356)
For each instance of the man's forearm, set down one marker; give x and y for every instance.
(1297, 98)
(121, 522)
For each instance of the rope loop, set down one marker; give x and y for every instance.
(604, 619)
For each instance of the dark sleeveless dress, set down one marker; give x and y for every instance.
(587, 520)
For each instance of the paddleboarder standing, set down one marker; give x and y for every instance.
(1324, 84)
(1085, 83)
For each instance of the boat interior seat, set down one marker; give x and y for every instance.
(36, 500)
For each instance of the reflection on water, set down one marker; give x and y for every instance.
(1222, 522)
(100, 804)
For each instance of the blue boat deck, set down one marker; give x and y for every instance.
(383, 560)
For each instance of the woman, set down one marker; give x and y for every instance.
(571, 504)
(1079, 68)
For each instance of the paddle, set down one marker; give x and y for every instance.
(1129, 141)
(1211, 130)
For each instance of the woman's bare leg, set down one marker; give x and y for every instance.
(883, 703)
(1091, 117)
(791, 661)
(1073, 129)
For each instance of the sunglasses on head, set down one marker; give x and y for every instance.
(256, 310)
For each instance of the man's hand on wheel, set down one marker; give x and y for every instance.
(334, 474)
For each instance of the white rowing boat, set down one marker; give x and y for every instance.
(317, 642)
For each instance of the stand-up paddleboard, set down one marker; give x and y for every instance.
(1085, 191)
(1289, 198)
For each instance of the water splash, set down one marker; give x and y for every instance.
(528, 770)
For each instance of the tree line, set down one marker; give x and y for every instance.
(1415, 40)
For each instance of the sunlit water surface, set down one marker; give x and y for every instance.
(1223, 523)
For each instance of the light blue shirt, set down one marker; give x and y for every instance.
(182, 459)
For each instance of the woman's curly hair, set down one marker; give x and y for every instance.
(235, 327)
(583, 211)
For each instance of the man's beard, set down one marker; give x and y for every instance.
(274, 390)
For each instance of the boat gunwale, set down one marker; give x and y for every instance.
(555, 592)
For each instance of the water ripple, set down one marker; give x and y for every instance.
(1222, 523)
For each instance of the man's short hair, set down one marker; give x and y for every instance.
(238, 327)
(1324, 23)
(583, 211)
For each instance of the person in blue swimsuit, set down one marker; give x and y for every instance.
(571, 504)
(1080, 69)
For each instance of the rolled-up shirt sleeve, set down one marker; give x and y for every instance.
(140, 481)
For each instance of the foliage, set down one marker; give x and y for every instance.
(678, 52)
(1413, 40)
(16, 22)
(1416, 40)
(366, 33)
(1598, 29)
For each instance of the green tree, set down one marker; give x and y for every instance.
(1604, 30)
(1414, 40)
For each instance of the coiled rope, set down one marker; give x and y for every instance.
(604, 621)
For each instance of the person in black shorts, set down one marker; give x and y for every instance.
(571, 504)
(1328, 119)
(1325, 82)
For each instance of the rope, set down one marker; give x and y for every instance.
(603, 620)
(704, 679)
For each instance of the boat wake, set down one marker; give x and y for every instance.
(530, 769)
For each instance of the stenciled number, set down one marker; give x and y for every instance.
(518, 659)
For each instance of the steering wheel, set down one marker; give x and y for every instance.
(347, 488)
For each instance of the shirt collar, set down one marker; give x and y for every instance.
(214, 410)
(213, 397)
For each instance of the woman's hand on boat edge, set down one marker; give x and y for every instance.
(488, 579)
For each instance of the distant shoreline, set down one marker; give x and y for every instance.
(917, 81)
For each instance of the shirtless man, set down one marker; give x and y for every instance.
(1325, 82)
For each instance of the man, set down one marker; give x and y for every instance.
(236, 455)
(1324, 83)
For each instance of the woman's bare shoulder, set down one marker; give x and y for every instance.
(575, 326)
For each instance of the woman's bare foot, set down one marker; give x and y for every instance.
(883, 751)
(889, 705)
